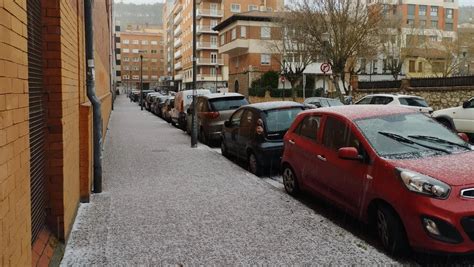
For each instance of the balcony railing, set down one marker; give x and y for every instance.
(177, 43)
(178, 54)
(178, 19)
(206, 45)
(215, 13)
(204, 29)
(178, 66)
(177, 31)
(210, 61)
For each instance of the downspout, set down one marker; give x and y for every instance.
(111, 25)
(96, 104)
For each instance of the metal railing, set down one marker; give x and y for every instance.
(209, 12)
(442, 82)
(380, 84)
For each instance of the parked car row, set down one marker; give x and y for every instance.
(394, 167)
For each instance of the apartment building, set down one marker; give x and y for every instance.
(212, 67)
(247, 39)
(46, 121)
(425, 28)
(140, 42)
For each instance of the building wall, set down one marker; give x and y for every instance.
(15, 218)
(64, 75)
(149, 68)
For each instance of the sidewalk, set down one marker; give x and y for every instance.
(165, 203)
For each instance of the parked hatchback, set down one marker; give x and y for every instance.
(400, 171)
(408, 101)
(254, 133)
(322, 102)
(212, 111)
(166, 108)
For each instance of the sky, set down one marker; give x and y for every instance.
(461, 2)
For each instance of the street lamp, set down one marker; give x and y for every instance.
(283, 80)
(217, 73)
(194, 115)
(141, 82)
(325, 40)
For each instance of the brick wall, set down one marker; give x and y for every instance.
(15, 218)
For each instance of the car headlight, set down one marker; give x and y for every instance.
(423, 184)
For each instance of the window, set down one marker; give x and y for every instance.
(213, 72)
(135, 68)
(126, 41)
(265, 59)
(413, 101)
(420, 66)
(126, 59)
(433, 38)
(126, 50)
(338, 135)
(222, 39)
(253, 7)
(153, 51)
(381, 100)
(422, 23)
(448, 27)
(449, 13)
(309, 127)
(144, 42)
(422, 10)
(213, 57)
(136, 59)
(234, 33)
(154, 42)
(434, 11)
(235, 8)
(126, 67)
(243, 31)
(434, 24)
(154, 60)
(411, 10)
(135, 51)
(213, 40)
(265, 32)
(236, 118)
(412, 66)
(365, 101)
(135, 42)
(411, 22)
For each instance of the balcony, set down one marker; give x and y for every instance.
(209, 78)
(178, 54)
(178, 66)
(209, 62)
(200, 29)
(177, 19)
(206, 45)
(211, 13)
(177, 31)
(178, 77)
(177, 43)
(178, 9)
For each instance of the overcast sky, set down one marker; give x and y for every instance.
(461, 2)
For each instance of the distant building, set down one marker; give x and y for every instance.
(130, 45)
(212, 67)
(426, 28)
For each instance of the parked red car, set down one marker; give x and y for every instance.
(404, 174)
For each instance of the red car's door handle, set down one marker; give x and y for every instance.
(291, 142)
(321, 158)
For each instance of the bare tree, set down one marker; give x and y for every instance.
(339, 31)
(291, 50)
(443, 56)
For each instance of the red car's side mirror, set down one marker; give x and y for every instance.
(464, 137)
(349, 153)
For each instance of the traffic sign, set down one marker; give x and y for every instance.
(282, 78)
(325, 67)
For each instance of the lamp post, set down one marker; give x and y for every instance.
(194, 115)
(283, 80)
(325, 39)
(141, 82)
(217, 73)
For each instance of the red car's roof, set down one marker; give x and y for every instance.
(354, 112)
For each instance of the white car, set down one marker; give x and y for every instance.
(459, 118)
(409, 101)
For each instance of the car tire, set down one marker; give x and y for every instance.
(253, 165)
(202, 137)
(290, 181)
(390, 230)
(224, 150)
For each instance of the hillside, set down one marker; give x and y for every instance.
(138, 14)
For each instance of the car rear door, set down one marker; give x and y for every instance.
(231, 132)
(464, 118)
(344, 180)
(246, 132)
(303, 145)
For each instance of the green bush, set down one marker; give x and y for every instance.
(275, 92)
(257, 91)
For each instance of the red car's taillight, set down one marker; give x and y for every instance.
(211, 115)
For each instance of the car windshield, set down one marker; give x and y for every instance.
(279, 120)
(410, 136)
(334, 102)
(413, 101)
(228, 103)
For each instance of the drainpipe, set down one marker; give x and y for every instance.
(96, 104)
(112, 51)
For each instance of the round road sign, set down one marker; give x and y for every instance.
(325, 67)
